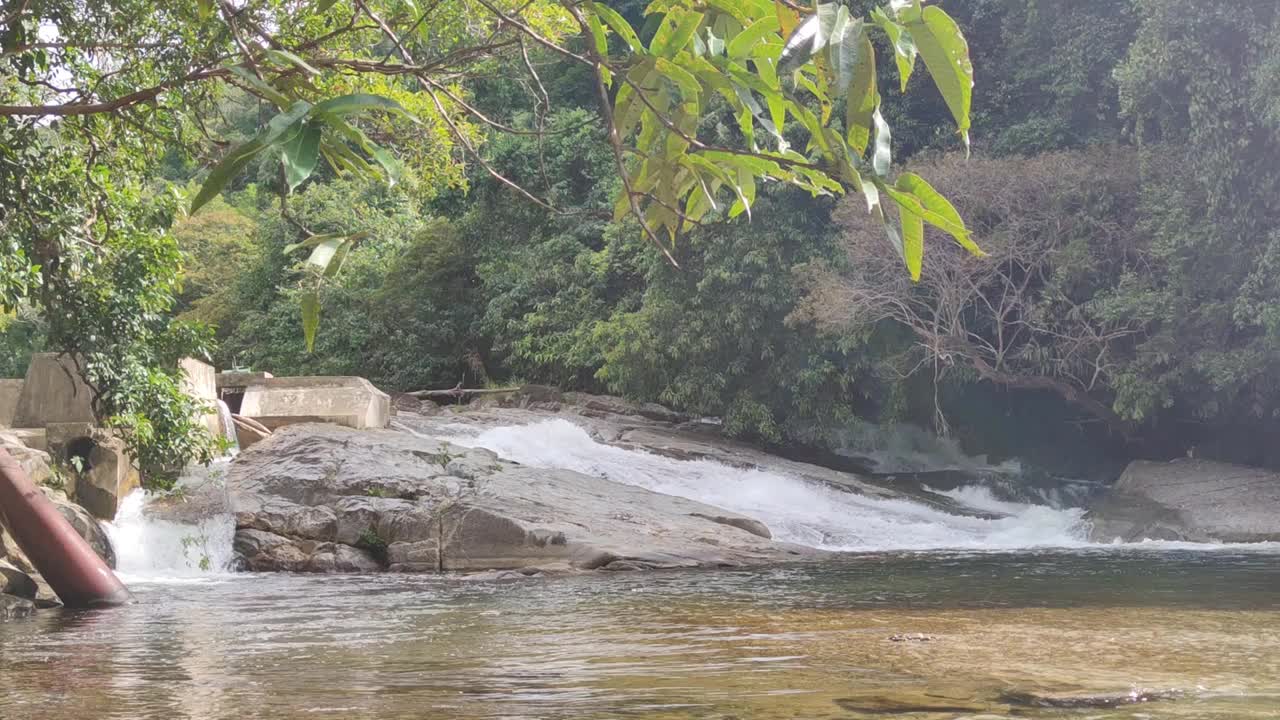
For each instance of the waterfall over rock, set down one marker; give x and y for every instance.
(150, 548)
(795, 510)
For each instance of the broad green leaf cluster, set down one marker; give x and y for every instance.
(803, 90)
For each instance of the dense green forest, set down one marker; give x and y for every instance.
(1122, 181)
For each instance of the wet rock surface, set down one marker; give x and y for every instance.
(323, 498)
(1189, 500)
(13, 607)
(16, 582)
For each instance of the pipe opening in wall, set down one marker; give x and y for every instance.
(233, 398)
(79, 452)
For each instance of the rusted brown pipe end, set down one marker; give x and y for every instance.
(77, 575)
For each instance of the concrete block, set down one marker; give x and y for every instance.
(33, 438)
(10, 391)
(350, 401)
(232, 384)
(107, 472)
(53, 392)
(198, 381)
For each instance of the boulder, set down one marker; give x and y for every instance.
(34, 462)
(350, 401)
(264, 552)
(89, 528)
(1190, 500)
(10, 391)
(84, 523)
(13, 607)
(326, 498)
(16, 582)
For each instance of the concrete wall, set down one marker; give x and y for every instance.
(10, 391)
(107, 472)
(350, 401)
(53, 393)
(198, 381)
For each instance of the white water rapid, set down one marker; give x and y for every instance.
(149, 549)
(795, 510)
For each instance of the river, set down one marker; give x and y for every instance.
(921, 614)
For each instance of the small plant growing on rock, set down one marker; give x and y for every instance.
(442, 457)
(374, 543)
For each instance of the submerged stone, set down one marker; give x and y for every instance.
(13, 607)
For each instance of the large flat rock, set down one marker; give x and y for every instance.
(1193, 500)
(320, 497)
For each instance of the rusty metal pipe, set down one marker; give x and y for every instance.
(80, 578)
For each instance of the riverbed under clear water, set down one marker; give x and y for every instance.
(901, 635)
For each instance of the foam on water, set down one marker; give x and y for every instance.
(149, 549)
(796, 510)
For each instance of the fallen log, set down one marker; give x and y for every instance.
(458, 391)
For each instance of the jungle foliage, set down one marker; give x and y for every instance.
(688, 241)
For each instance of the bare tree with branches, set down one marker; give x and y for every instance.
(1024, 317)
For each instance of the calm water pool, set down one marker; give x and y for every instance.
(921, 635)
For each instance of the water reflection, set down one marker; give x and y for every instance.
(974, 634)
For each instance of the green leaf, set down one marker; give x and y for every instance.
(746, 191)
(239, 158)
(946, 54)
(310, 317)
(690, 88)
(324, 251)
(827, 15)
(939, 211)
(619, 25)
(597, 35)
(674, 32)
(847, 51)
(344, 105)
(742, 44)
(882, 157)
(912, 241)
(799, 46)
(324, 5)
(346, 159)
(224, 171)
(895, 238)
(860, 102)
(204, 8)
(904, 47)
(284, 57)
(390, 165)
(301, 154)
(312, 241)
(247, 77)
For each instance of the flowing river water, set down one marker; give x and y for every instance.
(921, 615)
